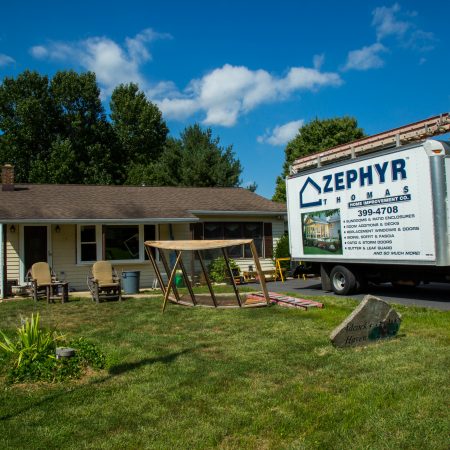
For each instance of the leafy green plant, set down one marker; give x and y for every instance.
(282, 247)
(218, 270)
(32, 356)
(88, 354)
(32, 343)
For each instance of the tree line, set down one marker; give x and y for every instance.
(56, 130)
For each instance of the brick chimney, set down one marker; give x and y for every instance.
(7, 177)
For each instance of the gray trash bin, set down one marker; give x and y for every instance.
(130, 281)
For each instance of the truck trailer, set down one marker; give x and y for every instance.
(370, 212)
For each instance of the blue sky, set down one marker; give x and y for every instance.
(252, 71)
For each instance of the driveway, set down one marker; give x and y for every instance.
(433, 295)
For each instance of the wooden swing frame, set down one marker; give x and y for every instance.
(197, 246)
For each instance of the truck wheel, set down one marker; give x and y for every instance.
(343, 281)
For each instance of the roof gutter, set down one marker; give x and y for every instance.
(238, 213)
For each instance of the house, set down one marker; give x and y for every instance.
(72, 226)
(320, 226)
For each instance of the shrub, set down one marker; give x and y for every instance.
(218, 270)
(282, 247)
(32, 343)
(32, 356)
(282, 251)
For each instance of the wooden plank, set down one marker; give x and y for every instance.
(208, 281)
(169, 285)
(186, 279)
(262, 279)
(167, 269)
(156, 270)
(197, 245)
(230, 271)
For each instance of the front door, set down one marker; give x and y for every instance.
(35, 245)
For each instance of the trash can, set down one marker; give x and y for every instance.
(130, 281)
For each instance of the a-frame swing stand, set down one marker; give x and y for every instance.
(197, 246)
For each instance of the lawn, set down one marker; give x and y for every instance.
(320, 251)
(264, 378)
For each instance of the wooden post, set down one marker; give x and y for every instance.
(156, 270)
(186, 279)
(225, 255)
(260, 272)
(167, 269)
(208, 281)
(169, 285)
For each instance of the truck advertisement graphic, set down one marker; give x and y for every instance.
(372, 208)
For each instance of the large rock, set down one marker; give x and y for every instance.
(371, 321)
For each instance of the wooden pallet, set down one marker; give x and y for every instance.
(284, 300)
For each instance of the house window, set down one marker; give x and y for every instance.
(118, 243)
(150, 235)
(88, 243)
(233, 230)
(240, 230)
(121, 242)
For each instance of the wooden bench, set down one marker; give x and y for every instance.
(269, 275)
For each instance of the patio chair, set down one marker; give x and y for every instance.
(43, 282)
(103, 282)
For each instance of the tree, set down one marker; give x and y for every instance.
(139, 127)
(59, 168)
(56, 130)
(195, 159)
(204, 162)
(252, 187)
(314, 137)
(28, 122)
(82, 121)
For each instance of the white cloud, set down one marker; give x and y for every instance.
(39, 52)
(229, 91)
(5, 60)
(318, 61)
(386, 23)
(281, 134)
(365, 58)
(112, 63)
(221, 96)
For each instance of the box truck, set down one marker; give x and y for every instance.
(379, 215)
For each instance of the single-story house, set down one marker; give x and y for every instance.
(72, 226)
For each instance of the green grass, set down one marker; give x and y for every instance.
(320, 251)
(263, 378)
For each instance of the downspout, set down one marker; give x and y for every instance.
(3, 276)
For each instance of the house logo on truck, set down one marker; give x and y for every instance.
(378, 173)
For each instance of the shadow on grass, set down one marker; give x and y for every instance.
(113, 371)
(165, 359)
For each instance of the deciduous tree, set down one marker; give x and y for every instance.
(313, 137)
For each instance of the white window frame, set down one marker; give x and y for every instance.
(99, 243)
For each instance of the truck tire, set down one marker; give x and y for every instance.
(343, 281)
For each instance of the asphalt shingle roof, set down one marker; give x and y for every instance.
(88, 202)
